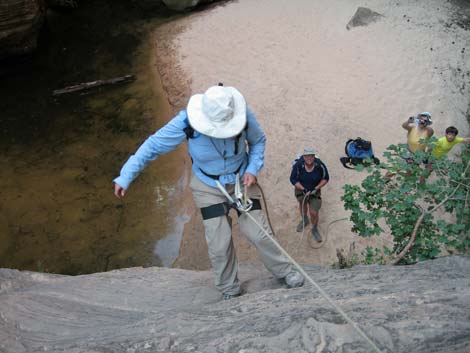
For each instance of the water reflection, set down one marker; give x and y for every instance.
(58, 156)
(167, 249)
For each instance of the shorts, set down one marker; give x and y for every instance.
(314, 202)
(408, 156)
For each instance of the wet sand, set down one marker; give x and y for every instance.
(312, 82)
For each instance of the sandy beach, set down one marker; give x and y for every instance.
(313, 82)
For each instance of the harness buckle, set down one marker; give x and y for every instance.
(241, 202)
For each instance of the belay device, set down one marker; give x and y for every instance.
(241, 202)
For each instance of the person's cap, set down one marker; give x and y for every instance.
(426, 115)
(309, 151)
(220, 112)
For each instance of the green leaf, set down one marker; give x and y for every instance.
(397, 201)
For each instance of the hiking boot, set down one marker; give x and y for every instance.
(303, 223)
(294, 279)
(228, 296)
(316, 233)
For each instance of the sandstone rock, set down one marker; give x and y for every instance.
(20, 21)
(62, 3)
(363, 17)
(182, 5)
(422, 308)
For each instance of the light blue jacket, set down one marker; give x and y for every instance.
(213, 156)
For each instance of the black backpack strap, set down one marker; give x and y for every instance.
(300, 166)
(346, 146)
(189, 131)
(346, 162)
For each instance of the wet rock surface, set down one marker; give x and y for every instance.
(183, 5)
(420, 308)
(20, 21)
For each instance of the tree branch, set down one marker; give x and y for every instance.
(92, 84)
(402, 254)
(420, 219)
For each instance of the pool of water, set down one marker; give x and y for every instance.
(59, 155)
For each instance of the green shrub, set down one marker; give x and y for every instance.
(406, 196)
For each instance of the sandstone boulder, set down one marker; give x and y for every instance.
(363, 17)
(20, 21)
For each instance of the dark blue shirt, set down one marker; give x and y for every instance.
(308, 179)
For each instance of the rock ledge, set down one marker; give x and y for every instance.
(421, 308)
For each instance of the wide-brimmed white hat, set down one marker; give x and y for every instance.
(220, 112)
(308, 151)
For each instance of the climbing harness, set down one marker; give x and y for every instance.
(243, 204)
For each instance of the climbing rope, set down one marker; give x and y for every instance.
(299, 268)
(315, 244)
(322, 292)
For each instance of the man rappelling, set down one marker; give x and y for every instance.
(224, 141)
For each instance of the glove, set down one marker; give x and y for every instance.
(310, 193)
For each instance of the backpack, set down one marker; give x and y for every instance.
(357, 151)
(300, 164)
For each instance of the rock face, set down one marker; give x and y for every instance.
(363, 17)
(20, 21)
(421, 308)
(182, 5)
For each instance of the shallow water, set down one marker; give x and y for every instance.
(58, 156)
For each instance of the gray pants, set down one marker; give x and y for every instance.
(218, 232)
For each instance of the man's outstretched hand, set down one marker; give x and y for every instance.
(119, 191)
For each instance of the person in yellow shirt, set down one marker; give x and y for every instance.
(447, 142)
(418, 128)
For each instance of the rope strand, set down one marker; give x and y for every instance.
(322, 292)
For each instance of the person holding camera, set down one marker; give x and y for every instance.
(418, 127)
(309, 174)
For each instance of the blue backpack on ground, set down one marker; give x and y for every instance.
(358, 151)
